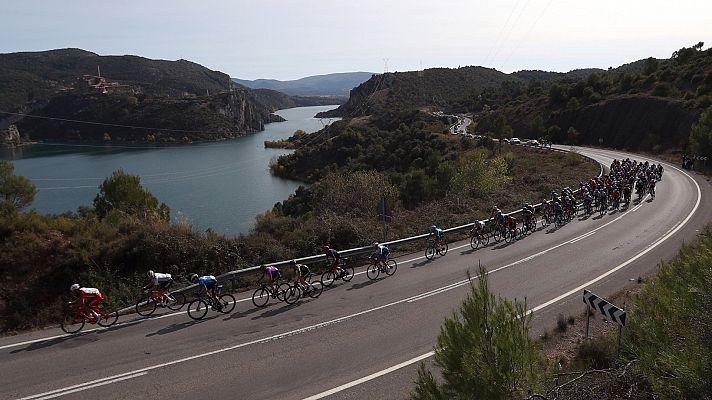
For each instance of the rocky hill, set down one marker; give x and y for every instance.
(181, 100)
(119, 118)
(649, 104)
(338, 84)
(36, 76)
(435, 87)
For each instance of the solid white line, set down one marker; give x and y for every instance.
(79, 388)
(537, 308)
(370, 377)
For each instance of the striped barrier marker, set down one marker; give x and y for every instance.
(606, 308)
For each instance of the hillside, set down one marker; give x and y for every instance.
(338, 84)
(182, 100)
(400, 91)
(225, 115)
(36, 76)
(649, 104)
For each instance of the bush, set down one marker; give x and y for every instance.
(595, 353)
(561, 325)
(484, 351)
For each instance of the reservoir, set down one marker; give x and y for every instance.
(220, 185)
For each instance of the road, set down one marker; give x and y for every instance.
(359, 339)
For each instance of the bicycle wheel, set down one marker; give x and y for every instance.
(107, 318)
(348, 273)
(260, 297)
(442, 249)
(430, 252)
(508, 236)
(474, 242)
(372, 271)
(70, 324)
(533, 223)
(314, 290)
(327, 278)
(146, 306)
(228, 303)
(545, 221)
(176, 301)
(292, 294)
(391, 267)
(197, 309)
(519, 233)
(496, 234)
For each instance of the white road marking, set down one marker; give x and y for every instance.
(370, 377)
(79, 388)
(537, 308)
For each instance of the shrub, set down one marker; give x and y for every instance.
(484, 351)
(561, 325)
(595, 353)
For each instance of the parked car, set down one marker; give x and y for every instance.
(534, 142)
(515, 141)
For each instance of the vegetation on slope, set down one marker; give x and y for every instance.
(36, 76)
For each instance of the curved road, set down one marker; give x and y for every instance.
(362, 338)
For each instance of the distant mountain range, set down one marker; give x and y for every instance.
(338, 84)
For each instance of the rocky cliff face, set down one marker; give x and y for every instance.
(10, 137)
(136, 118)
(632, 122)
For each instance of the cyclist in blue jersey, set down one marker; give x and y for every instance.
(437, 232)
(208, 284)
(380, 253)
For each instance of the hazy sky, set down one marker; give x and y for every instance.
(288, 39)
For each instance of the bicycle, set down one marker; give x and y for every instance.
(478, 238)
(150, 301)
(75, 318)
(261, 296)
(499, 231)
(329, 276)
(375, 269)
(435, 246)
(512, 234)
(293, 291)
(198, 308)
(529, 225)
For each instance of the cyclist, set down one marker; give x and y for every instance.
(651, 188)
(626, 194)
(528, 213)
(437, 232)
(558, 210)
(380, 253)
(301, 274)
(511, 223)
(333, 257)
(273, 274)
(498, 218)
(478, 228)
(208, 284)
(90, 299)
(161, 281)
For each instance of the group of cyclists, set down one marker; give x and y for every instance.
(599, 193)
(91, 298)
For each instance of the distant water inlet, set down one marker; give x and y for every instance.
(221, 185)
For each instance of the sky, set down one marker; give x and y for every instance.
(290, 39)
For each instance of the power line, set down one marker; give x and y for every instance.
(113, 125)
(531, 28)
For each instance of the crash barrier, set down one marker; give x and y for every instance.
(358, 250)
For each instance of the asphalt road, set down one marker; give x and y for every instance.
(359, 339)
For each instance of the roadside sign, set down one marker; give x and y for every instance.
(606, 308)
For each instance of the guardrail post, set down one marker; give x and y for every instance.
(618, 342)
(588, 317)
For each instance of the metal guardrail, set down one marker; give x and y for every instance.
(358, 250)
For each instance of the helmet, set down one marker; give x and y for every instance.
(293, 262)
(433, 227)
(374, 244)
(150, 274)
(74, 287)
(193, 278)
